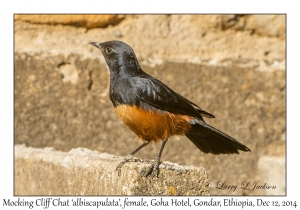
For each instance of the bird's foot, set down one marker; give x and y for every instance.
(152, 169)
(127, 158)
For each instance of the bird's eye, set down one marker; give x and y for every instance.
(108, 50)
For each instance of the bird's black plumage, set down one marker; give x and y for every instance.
(149, 92)
(133, 89)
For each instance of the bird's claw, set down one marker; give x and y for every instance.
(126, 159)
(153, 169)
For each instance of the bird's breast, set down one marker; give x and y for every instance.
(151, 124)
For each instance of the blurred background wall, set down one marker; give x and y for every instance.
(232, 66)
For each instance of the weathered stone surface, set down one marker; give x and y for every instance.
(271, 169)
(267, 25)
(236, 22)
(263, 25)
(85, 172)
(86, 21)
(155, 38)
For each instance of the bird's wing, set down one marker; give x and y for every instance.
(201, 111)
(155, 93)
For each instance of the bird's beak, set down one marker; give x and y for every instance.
(96, 44)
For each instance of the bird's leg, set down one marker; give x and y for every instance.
(129, 157)
(153, 168)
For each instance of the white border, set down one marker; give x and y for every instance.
(236, 6)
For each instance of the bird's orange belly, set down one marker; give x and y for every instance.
(151, 125)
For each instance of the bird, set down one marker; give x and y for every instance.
(155, 112)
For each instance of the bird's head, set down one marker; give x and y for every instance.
(119, 56)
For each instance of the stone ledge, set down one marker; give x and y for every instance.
(86, 21)
(197, 39)
(85, 172)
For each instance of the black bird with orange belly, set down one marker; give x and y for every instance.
(153, 111)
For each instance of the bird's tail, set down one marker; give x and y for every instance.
(210, 140)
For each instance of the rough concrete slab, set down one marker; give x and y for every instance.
(85, 172)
